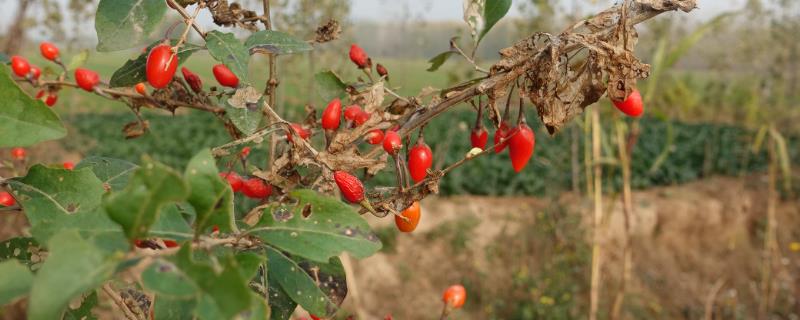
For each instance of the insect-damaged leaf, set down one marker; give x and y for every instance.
(319, 287)
(270, 41)
(121, 24)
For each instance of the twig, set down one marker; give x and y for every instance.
(186, 17)
(119, 302)
(712, 295)
(189, 22)
(597, 253)
(454, 45)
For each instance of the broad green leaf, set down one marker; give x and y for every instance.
(21, 249)
(249, 262)
(114, 173)
(225, 48)
(133, 71)
(25, 121)
(331, 228)
(171, 225)
(211, 198)
(50, 195)
(244, 109)
(151, 187)
(223, 289)
(329, 85)
(493, 11)
(276, 42)
(169, 308)
(164, 278)
(122, 24)
(281, 305)
(15, 281)
(437, 61)
(259, 310)
(299, 280)
(84, 312)
(78, 60)
(73, 267)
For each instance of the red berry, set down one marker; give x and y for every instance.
(374, 136)
(68, 165)
(359, 57)
(161, 66)
(49, 51)
(382, 70)
(420, 159)
(86, 78)
(632, 105)
(40, 94)
(20, 66)
(6, 199)
(361, 118)
(256, 188)
(350, 186)
(141, 88)
(299, 130)
(455, 296)
(234, 180)
(499, 134)
(51, 99)
(171, 243)
(192, 79)
(35, 72)
(314, 317)
(215, 229)
(351, 112)
(392, 142)
(225, 76)
(245, 152)
(479, 137)
(411, 215)
(388, 317)
(18, 153)
(140, 244)
(332, 116)
(520, 146)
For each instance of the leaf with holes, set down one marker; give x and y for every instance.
(244, 109)
(114, 173)
(122, 24)
(25, 250)
(225, 48)
(275, 42)
(316, 227)
(73, 267)
(211, 198)
(329, 85)
(298, 279)
(84, 312)
(15, 281)
(133, 71)
(25, 121)
(151, 187)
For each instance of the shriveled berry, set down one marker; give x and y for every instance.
(161, 66)
(35, 72)
(382, 70)
(141, 244)
(20, 66)
(68, 165)
(350, 186)
(420, 159)
(359, 56)
(500, 134)
(632, 105)
(49, 51)
(225, 76)
(299, 130)
(332, 116)
(234, 180)
(351, 112)
(192, 79)
(374, 136)
(6, 199)
(521, 146)
(18, 153)
(408, 220)
(86, 78)
(392, 142)
(256, 188)
(455, 296)
(141, 88)
(479, 137)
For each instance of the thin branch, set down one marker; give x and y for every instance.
(469, 59)
(187, 17)
(119, 302)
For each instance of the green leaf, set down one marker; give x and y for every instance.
(21, 249)
(73, 267)
(15, 281)
(169, 308)
(133, 71)
(211, 198)
(84, 312)
(276, 42)
(281, 305)
(437, 61)
(78, 60)
(164, 278)
(493, 11)
(225, 48)
(171, 225)
(151, 187)
(51, 195)
(329, 85)
(114, 173)
(122, 24)
(298, 279)
(223, 288)
(331, 228)
(25, 121)
(244, 109)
